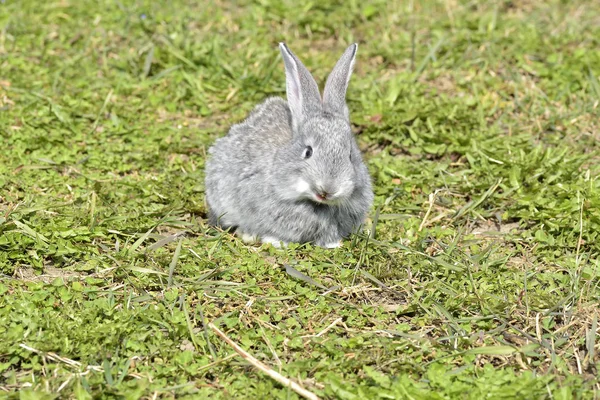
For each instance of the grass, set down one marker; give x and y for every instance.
(478, 276)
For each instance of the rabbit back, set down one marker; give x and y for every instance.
(238, 167)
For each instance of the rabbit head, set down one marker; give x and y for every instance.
(322, 161)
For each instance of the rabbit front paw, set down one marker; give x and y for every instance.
(330, 245)
(273, 242)
(246, 237)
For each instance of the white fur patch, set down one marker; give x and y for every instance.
(345, 189)
(246, 237)
(333, 245)
(302, 187)
(273, 242)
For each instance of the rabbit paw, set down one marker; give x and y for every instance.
(246, 237)
(332, 245)
(274, 242)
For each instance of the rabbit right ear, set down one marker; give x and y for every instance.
(302, 91)
(334, 94)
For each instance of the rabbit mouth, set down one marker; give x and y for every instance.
(321, 198)
(316, 193)
(325, 198)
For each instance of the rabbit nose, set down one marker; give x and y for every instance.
(323, 192)
(322, 195)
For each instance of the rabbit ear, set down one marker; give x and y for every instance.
(334, 95)
(302, 91)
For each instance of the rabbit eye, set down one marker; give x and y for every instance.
(307, 152)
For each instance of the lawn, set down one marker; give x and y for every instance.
(477, 274)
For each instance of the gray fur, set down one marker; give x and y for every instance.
(258, 180)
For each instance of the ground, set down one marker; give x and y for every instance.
(477, 275)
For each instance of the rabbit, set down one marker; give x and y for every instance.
(292, 171)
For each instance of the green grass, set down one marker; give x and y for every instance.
(480, 123)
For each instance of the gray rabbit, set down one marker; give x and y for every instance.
(292, 171)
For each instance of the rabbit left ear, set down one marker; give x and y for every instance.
(302, 91)
(334, 95)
